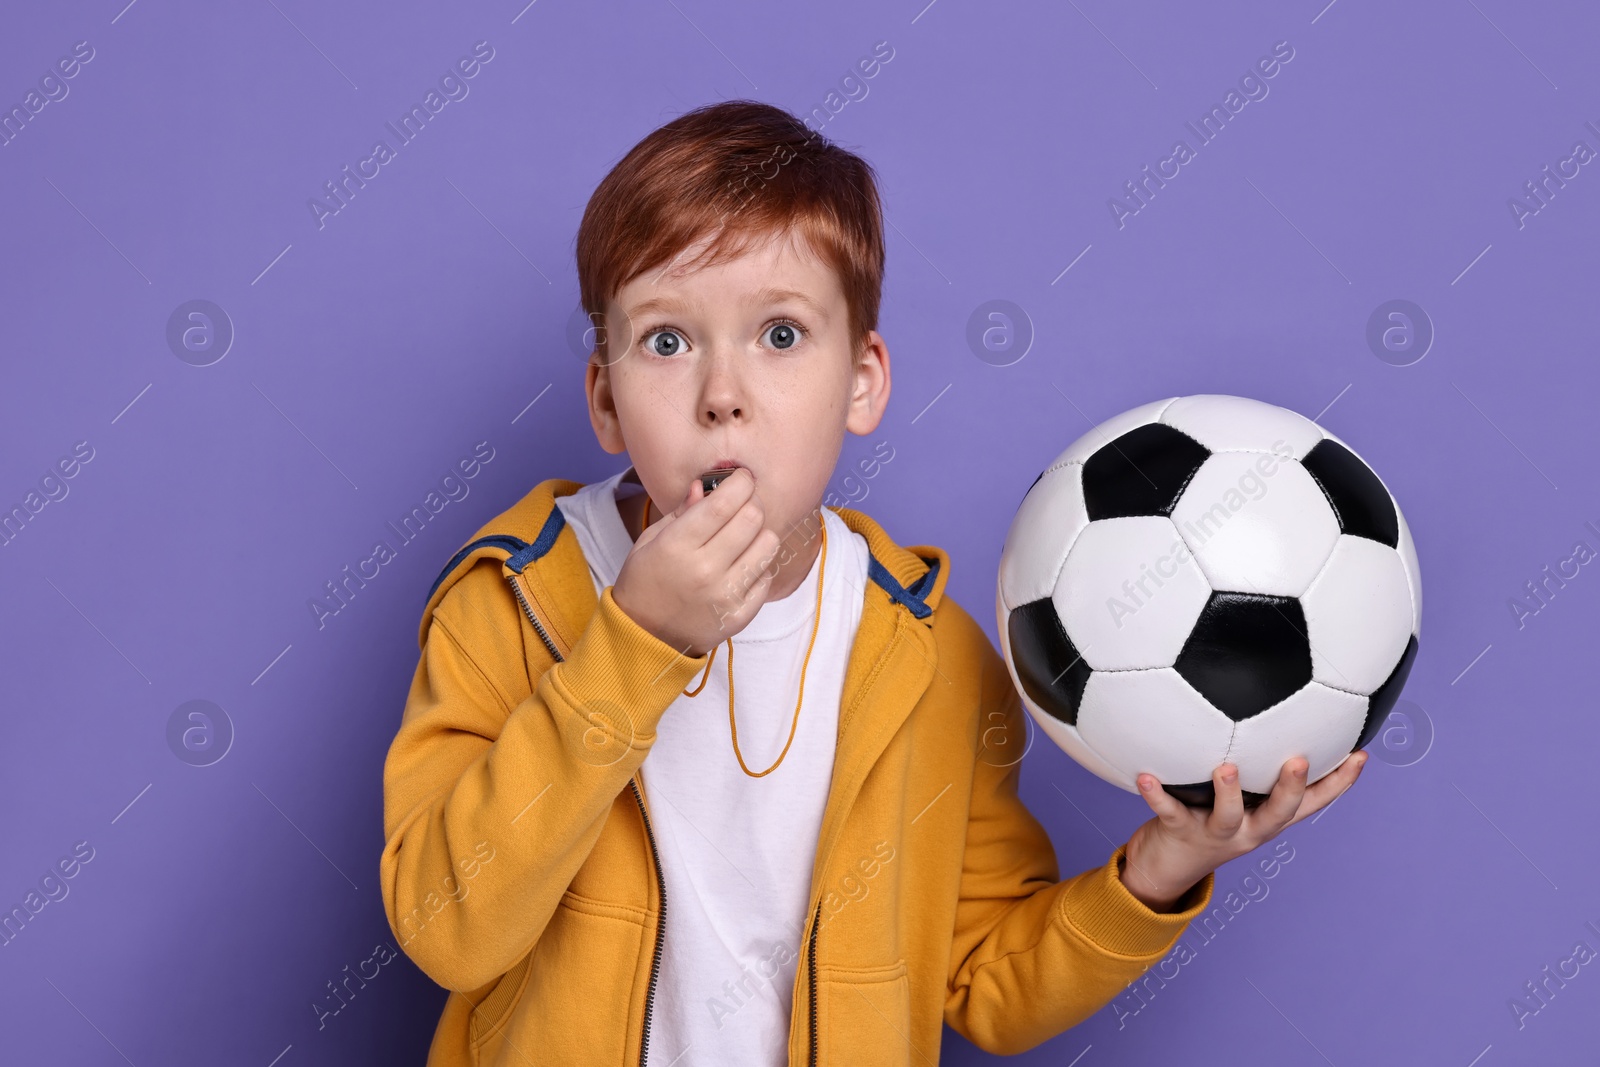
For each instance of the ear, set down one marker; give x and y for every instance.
(869, 385)
(602, 406)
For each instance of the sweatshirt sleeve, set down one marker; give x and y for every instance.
(493, 796)
(1032, 956)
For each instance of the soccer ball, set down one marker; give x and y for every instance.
(1208, 579)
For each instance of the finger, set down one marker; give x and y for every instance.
(696, 493)
(712, 511)
(737, 534)
(1227, 810)
(1172, 812)
(654, 529)
(1331, 786)
(752, 574)
(1286, 797)
(760, 559)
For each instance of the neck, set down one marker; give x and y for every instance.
(796, 553)
(633, 514)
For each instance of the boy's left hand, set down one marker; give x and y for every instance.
(1167, 855)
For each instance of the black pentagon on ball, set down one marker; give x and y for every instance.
(1381, 702)
(1143, 472)
(1358, 497)
(1204, 795)
(1052, 672)
(1247, 652)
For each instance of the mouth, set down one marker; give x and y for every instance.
(720, 469)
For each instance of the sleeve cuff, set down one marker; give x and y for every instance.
(1098, 905)
(621, 677)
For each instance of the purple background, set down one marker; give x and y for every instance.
(432, 311)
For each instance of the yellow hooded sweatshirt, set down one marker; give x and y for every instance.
(519, 866)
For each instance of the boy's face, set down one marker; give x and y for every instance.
(749, 361)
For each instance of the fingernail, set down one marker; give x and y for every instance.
(1146, 784)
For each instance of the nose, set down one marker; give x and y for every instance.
(722, 387)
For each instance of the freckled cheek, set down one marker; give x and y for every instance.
(650, 422)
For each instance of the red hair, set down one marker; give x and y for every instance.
(743, 171)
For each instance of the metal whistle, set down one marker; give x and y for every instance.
(710, 479)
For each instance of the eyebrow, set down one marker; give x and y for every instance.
(778, 296)
(769, 295)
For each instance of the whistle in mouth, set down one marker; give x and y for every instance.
(710, 479)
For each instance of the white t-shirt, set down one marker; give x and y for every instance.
(736, 852)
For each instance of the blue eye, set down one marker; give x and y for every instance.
(784, 334)
(664, 343)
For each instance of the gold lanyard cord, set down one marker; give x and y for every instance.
(733, 725)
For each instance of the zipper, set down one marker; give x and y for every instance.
(661, 922)
(537, 626)
(811, 971)
(661, 883)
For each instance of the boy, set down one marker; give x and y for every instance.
(847, 859)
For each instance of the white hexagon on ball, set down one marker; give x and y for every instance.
(1029, 567)
(1153, 722)
(1256, 523)
(1235, 423)
(1130, 593)
(1315, 722)
(1358, 615)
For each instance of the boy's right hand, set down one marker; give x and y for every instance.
(701, 572)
